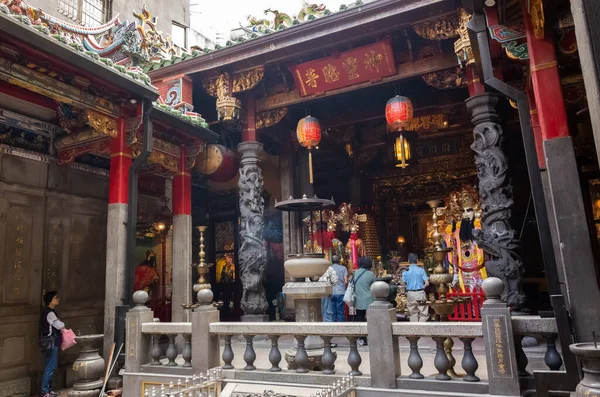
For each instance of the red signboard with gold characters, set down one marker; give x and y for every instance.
(370, 62)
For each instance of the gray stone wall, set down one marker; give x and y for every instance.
(52, 237)
(166, 11)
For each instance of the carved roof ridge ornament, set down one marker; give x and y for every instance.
(121, 46)
(260, 28)
(462, 46)
(441, 28)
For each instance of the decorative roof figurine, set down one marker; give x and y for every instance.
(126, 47)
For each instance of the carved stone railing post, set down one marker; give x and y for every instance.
(137, 345)
(496, 236)
(502, 368)
(384, 353)
(205, 346)
(252, 253)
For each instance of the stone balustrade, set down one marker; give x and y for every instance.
(300, 332)
(171, 331)
(206, 343)
(441, 334)
(536, 326)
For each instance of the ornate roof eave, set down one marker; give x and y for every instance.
(176, 120)
(283, 40)
(19, 27)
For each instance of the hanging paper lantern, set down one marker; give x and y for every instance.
(398, 111)
(308, 133)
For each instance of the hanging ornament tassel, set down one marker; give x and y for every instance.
(310, 170)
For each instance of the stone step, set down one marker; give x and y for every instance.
(271, 389)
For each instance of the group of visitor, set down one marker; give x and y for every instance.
(414, 278)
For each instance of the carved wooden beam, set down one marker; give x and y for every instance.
(40, 83)
(270, 117)
(441, 28)
(101, 127)
(404, 71)
(240, 82)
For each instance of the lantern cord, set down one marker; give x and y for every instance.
(310, 167)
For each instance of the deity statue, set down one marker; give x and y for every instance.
(355, 248)
(467, 259)
(337, 247)
(146, 275)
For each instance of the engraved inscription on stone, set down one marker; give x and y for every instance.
(497, 330)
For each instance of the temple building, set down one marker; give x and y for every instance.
(127, 157)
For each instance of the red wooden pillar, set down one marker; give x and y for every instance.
(116, 231)
(547, 88)
(182, 188)
(249, 123)
(537, 129)
(566, 208)
(120, 161)
(473, 83)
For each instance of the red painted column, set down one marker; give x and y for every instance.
(249, 124)
(182, 188)
(546, 83)
(537, 130)
(116, 232)
(120, 161)
(473, 83)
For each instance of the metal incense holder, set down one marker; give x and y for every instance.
(440, 277)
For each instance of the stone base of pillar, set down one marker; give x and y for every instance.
(255, 318)
(116, 249)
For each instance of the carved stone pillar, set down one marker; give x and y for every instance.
(252, 253)
(496, 237)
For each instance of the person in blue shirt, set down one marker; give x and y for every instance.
(416, 280)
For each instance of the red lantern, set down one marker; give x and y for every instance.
(308, 133)
(398, 111)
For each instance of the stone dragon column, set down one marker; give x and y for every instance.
(252, 254)
(496, 237)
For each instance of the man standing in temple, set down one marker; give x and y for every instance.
(416, 280)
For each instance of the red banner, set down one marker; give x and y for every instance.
(371, 62)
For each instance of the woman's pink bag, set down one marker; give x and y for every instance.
(68, 339)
